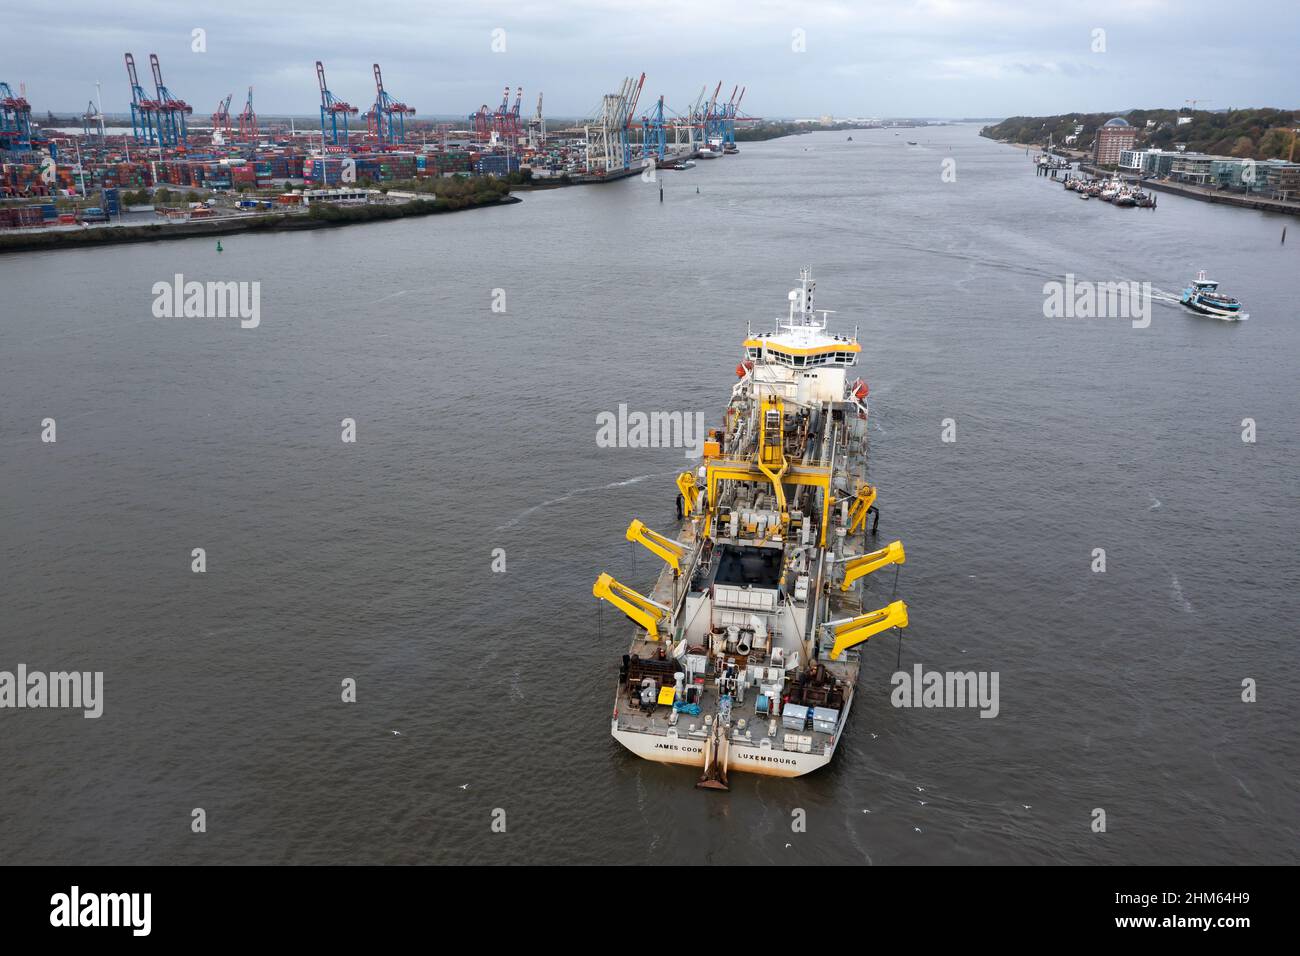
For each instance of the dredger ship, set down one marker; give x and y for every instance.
(746, 650)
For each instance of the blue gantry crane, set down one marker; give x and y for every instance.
(171, 110)
(15, 120)
(390, 114)
(331, 109)
(143, 108)
(654, 138)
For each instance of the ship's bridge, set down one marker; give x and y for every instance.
(800, 351)
(801, 341)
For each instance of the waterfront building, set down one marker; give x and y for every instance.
(1115, 136)
(1193, 168)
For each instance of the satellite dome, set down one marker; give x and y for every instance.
(1117, 121)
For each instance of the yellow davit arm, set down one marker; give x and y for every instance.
(666, 548)
(686, 485)
(855, 630)
(861, 505)
(649, 614)
(863, 565)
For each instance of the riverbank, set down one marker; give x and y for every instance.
(319, 217)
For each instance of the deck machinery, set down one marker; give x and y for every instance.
(746, 650)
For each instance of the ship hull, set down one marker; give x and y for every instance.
(689, 752)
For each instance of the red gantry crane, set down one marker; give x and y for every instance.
(221, 118)
(248, 121)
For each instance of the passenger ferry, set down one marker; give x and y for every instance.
(1203, 296)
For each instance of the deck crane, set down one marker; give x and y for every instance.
(15, 119)
(865, 564)
(854, 630)
(248, 121)
(221, 118)
(144, 110)
(390, 114)
(331, 109)
(171, 110)
(670, 551)
(651, 615)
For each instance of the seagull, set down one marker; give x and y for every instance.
(873, 736)
(464, 786)
(397, 733)
(866, 811)
(921, 802)
(917, 829)
(1026, 806)
(920, 789)
(788, 845)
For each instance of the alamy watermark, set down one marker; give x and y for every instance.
(626, 429)
(951, 689)
(75, 690)
(179, 299)
(76, 908)
(1073, 299)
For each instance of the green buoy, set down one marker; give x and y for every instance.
(218, 245)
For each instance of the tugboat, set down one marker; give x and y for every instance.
(1203, 296)
(746, 651)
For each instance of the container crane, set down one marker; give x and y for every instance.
(712, 125)
(626, 125)
(143, 109)
(91, 123)
(221, 118)
(331, 109)
(516, 127)
(171, 110)
(481, 124)
(389, 114)
(15, 119)
(654, 139)
(248, 121)
(537, 127)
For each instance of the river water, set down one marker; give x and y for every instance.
(480, 691)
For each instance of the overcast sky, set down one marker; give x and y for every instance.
(943, 58)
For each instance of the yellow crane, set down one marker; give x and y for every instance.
(864, 564)
(651, 615)
(672, 552)
(855, 630)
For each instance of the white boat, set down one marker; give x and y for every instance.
(745, 654)
(1203, 296)
(708, 152)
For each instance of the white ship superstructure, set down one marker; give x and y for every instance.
(746, 651)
